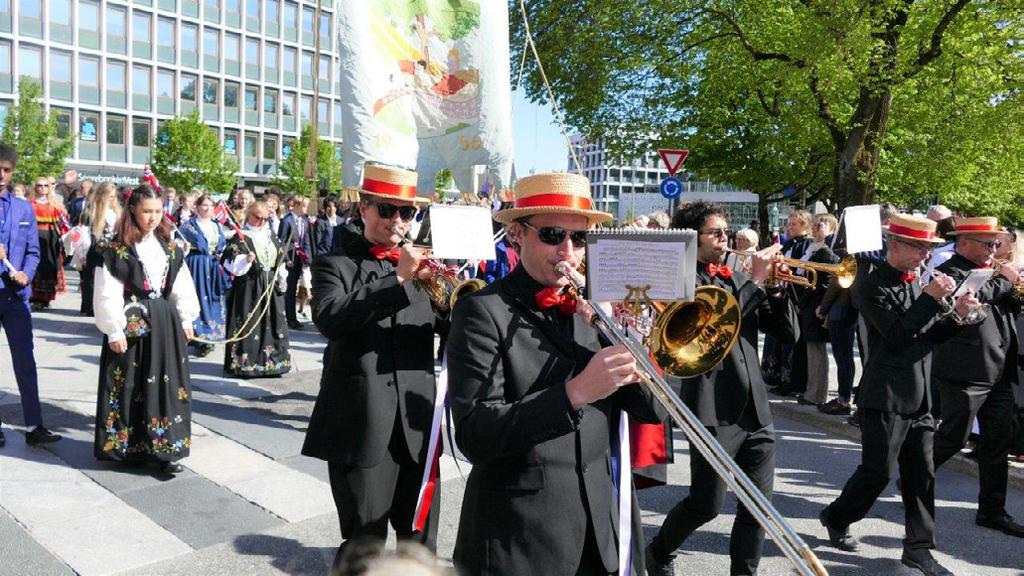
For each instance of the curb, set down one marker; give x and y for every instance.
(810, 415)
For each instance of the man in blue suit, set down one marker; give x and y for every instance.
(295, 225)
(19, 256)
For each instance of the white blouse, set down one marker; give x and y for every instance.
(266, 254)
(108, 294)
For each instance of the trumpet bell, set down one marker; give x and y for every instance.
(464, 288)
(846, 272)
(691, 338)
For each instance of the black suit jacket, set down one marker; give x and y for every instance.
(379, 362)
(541, 470)
(303, 241)
(904, 324)
(720, 396)
(981, 354)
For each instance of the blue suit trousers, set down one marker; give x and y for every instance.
(16, 322)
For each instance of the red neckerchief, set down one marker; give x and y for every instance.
(724, 271)
(556, 297)
(908, 277)
(383, 252)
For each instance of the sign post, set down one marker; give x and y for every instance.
(672, 187)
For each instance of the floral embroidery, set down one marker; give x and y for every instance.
(182, 394)
(119, 433)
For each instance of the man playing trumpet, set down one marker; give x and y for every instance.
(731, 401)
(534, 395)
(373, 415)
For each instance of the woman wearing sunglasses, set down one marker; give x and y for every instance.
(373, 416)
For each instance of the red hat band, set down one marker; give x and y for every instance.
(389, 189)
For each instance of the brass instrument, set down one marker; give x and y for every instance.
(444, 289)
(1018, 287)
(845, 271)
(689, 327)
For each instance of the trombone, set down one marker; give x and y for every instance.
(845, 271)
(693, 322)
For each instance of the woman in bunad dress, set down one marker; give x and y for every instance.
(51, 217)
(252, 260)
(145, 305)
(206, 243)
(100, 217)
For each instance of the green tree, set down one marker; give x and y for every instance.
(443, 182)
(912, 99)
(33, 134)
(291, 170)
(188, 155)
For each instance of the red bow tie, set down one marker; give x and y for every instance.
(555, 297)
(382, 252)
(724, 271)
(908, 277)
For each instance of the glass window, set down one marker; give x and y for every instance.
(30, 9)
(116, 23)
(60, 66)
(165, 33)
(270, 55)
(30, 61)
(231, 143)
(325, 26)
(272, 11)
(211, 43)
(63, 118)
(305, 112)
(289, 60)
(291, 14)
(189, 37)
(252, 51)
(270, 149)
(324, 69)
(250, 146)
(231, 42)
(270, 102)
(321, 111)
(5, 57)
(251, 99)
(60, 12)
(88, 126)
(165, 84)
(231, 95)
(89, 71)
(115, 130)
(140, 133)
(210, 88)
(115, 76)
(307, 64)
(188, 87)
(307, 20)
(89, 16)
(140, 26)
(288, 104)
(141, 80)
(231, 6)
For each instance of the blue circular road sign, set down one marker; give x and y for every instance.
(671, 187)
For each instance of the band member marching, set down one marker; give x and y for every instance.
(905, 322)
(732, 401)
(976, 370)
(373, 416)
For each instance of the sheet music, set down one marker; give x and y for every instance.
(664, 260)
(461, 232)
(974, 281)
(863, 229)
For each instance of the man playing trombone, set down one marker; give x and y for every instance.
(904, 322)
(534, 395)
(373, 416)
(731, 401)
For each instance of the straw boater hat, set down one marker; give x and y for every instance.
(552, 193)
(389, 183)
(978, 225)
(913, 228)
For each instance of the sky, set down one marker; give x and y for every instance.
(539, 143)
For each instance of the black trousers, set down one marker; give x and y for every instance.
(753, 449)
(368, 499)
(294, 273)
(993, 407)
(890, 439)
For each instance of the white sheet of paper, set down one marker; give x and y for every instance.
(863, 229)
(974, 281)
(615, 263)
(461, 232)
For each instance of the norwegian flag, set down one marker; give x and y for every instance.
(149, 178)
(222, 214)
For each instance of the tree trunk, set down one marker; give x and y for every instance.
(762, 219)
(857, 161)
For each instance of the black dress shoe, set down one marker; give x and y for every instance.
(170, 468)
(295, 325)
(801, 400)
(841, 539)
(654, 566)
(925, 562)
(1005, 524)
(40, 435)
(835, 408)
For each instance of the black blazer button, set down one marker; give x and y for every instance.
(585, 467)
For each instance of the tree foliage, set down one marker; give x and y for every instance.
(187, 155)
(291, 176)
(915, 100)
(33, 134)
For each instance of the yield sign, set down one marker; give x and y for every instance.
(673, 159)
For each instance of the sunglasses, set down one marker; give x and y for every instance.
(387, 211)
(990, 245)
(915, 246)
(718, 232)
(553, 235)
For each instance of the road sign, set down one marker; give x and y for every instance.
(671, 187)
(673, 159)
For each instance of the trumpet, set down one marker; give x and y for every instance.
(681, 325)
(444, 289)
(845, 271)
(1018, 286)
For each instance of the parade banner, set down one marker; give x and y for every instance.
(425, 84)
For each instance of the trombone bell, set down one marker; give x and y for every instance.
(691, 338)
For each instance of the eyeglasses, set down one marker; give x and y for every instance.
(990, 245)
(914, 246)
(387, 211)
(718, 232)
(554, 235)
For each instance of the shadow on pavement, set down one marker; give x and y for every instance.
(287, 555)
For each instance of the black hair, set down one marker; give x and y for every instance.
(696, 214)
(945, 226)
(8, 154)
